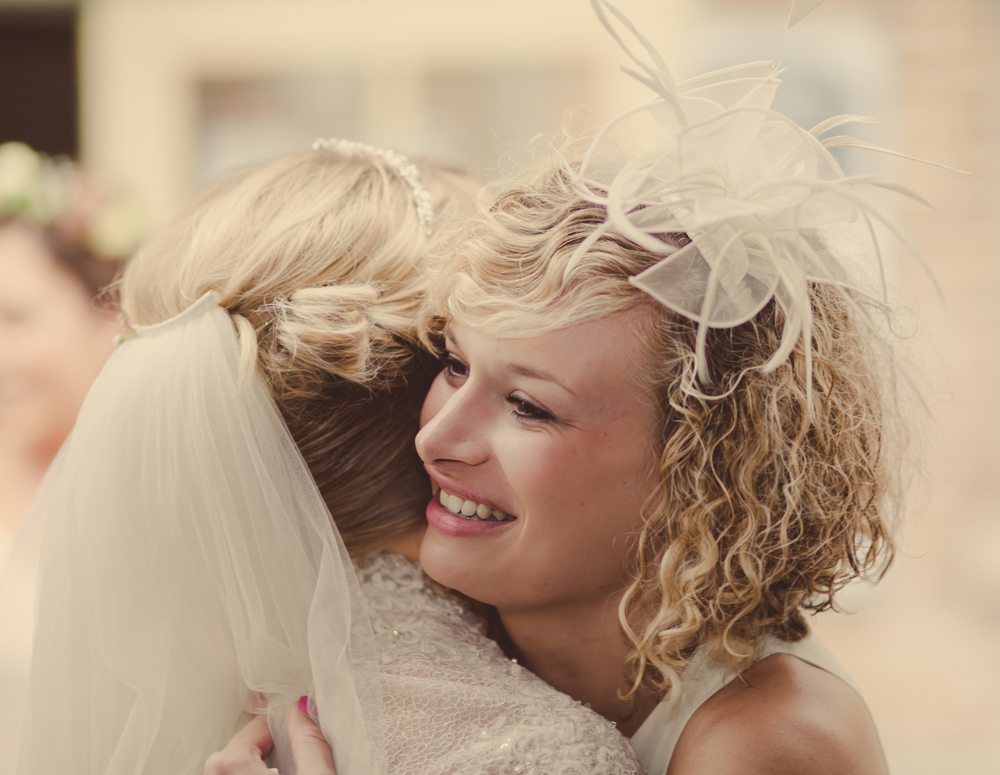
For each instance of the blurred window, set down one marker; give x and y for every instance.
(486, 118)
(249, 120)
(481, 118)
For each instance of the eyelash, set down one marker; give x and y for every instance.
(525, 410)
(454, 368)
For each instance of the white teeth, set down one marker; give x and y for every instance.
(470, 509)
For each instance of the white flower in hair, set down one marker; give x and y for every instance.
(761, 199)
(55, 192)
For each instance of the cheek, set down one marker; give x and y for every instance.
(549, 478)
(583, 478)
(437, 396)
(599, 509)
(37, 347)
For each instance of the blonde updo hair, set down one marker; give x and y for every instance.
(316, 257)
(761, 515)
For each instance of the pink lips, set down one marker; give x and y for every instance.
(442, 520)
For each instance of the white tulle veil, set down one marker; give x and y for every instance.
(187, 562)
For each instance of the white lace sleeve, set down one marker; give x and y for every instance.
(455, 704)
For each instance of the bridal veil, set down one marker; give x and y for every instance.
(188, 562)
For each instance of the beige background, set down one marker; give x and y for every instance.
(173, 91)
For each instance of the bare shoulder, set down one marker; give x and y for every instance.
(784, 716)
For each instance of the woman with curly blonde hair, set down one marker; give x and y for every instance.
(667, 430)
(684, 537)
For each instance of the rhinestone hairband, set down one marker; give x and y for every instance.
(406, 169)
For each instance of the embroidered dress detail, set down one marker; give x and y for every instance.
(455, 704)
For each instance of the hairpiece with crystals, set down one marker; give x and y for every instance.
(403, 167)
(766, 206)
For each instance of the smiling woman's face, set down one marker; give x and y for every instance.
(549, 432)
(53, 343)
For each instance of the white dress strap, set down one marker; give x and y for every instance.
(656, 739)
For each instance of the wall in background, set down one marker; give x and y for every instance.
(175, 92)
(38, 76)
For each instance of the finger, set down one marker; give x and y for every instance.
(245, 752)
(255, 737)
(310, 751)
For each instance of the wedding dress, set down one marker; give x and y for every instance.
(188, 562)
(456, 704)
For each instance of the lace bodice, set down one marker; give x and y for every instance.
(456, 704)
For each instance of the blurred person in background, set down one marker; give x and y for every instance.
(61, 243)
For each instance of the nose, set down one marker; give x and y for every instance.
(453, 434)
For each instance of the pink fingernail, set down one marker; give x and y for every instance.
(308, 707)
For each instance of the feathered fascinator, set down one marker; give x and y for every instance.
(801, 9)
(762, 200)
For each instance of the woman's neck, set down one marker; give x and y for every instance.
(581, 653)
(408, 544)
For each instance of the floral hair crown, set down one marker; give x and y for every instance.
(402, 166)
(55, 193)
(762, 200)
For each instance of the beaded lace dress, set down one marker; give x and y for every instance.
(455, 704)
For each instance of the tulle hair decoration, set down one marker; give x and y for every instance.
(766, 206)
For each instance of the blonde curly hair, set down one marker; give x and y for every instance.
(762, 515)
(316, 257)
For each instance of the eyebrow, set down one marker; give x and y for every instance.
(521, 369)
(533, 373)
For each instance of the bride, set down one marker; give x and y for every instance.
(190, 573)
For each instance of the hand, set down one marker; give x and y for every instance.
(310, 751)
(244, 755)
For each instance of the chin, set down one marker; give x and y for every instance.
(463, 572)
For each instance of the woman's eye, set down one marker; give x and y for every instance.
(526, 410)
(454, 368)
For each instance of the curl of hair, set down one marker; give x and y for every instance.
(316, 257)
(761, 516)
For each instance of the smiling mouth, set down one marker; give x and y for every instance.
(472, 511)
